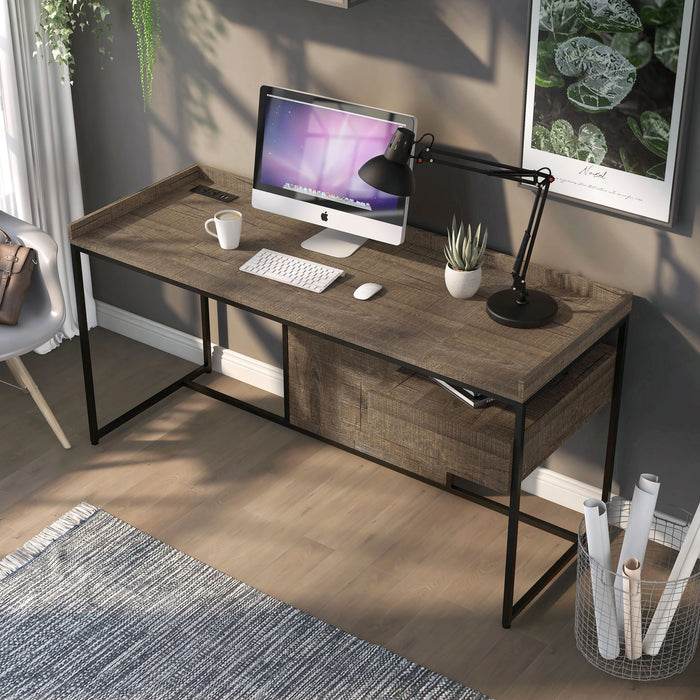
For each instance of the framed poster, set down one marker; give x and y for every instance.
(604, 100)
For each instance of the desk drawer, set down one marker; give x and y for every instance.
(398, 416)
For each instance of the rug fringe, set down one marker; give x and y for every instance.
(29, 550)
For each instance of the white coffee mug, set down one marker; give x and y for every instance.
(228, 228)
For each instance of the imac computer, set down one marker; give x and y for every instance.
(308, 151)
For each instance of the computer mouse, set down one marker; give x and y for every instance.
(367, 290)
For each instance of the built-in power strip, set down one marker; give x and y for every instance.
(214, 194)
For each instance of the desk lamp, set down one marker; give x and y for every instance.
(518, 306)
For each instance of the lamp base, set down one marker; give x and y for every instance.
(503, 308)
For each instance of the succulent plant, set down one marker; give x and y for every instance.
(464, 251)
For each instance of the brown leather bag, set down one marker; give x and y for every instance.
(16, 265)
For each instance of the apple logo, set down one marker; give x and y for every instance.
(324, 216)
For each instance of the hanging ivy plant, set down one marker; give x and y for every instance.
(60, 19)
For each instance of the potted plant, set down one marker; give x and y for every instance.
(60, 19)
(464, 252)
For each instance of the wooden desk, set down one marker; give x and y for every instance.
(547, 381)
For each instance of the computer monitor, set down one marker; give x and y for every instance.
(308, 151)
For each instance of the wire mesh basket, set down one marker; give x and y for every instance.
(628, 644)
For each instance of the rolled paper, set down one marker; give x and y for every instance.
(632, 608)
(602, 577)
(634, 544)
(673, 591)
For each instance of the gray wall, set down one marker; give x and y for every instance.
(459, 66)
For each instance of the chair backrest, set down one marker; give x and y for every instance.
(43, 309)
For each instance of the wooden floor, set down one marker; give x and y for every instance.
(379, 554)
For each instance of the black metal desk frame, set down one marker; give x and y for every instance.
(510, 608)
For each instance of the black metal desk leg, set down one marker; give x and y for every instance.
(206, 331)
(615, 409)
(285, 370)
(85, 345)
(513, 514)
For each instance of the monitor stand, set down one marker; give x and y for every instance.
(337, 244)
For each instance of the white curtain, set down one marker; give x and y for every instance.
(39, 171)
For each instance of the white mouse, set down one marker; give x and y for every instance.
(367, 290)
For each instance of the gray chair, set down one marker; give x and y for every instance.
(42, 314)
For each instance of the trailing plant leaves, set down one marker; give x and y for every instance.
(146, 20)
(661, 12)
(57, 23)
(559, 17)
(589, 146)
(634, 47)
(547, 74)
(608, 16)
(605, 75)
(653, 131)
(60, 19)
(667, 44)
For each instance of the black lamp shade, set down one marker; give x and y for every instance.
(391, 172)
(386, 176)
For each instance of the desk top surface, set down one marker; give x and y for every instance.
(413, 321)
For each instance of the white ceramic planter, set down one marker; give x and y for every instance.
(462, 284)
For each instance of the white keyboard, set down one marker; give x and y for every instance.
(290, 270)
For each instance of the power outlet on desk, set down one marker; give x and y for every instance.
(214, 194)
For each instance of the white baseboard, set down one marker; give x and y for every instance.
(559, 488)
(544, 483)
(188, 347)
(571, 493)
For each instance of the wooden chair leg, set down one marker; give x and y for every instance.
(24, 379)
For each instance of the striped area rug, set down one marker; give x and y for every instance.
(94, 608)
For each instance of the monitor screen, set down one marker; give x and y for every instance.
(308, 153)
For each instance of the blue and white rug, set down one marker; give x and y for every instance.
(94, 608)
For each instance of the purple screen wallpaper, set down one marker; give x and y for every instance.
(315, 150)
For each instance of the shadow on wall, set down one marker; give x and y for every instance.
(428, 35)
(676, 288)
(397, 30)
(659, 416)
(117, 134)
(415, 33)
(658, 430)
(473, 198)
(192, 32)
(662, 384)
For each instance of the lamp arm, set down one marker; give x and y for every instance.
(541, 179)
(531, 233)
(522, 260)
(501, 170)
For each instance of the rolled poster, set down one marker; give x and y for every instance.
(632, 608)
(634, 544)
(673, 591)
(602, 577)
